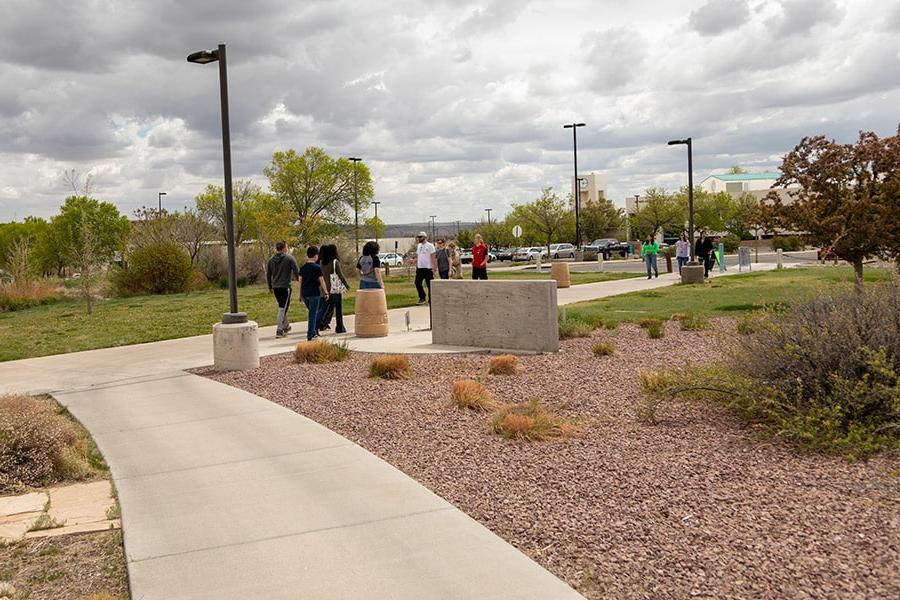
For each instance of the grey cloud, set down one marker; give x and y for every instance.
(488, 19)
(799, 17)
(613, 57)
(718, 16)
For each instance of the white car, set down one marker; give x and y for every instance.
(530, 253)
(562, 251)
(391, 258)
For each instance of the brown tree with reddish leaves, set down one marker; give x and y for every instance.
(848, 196)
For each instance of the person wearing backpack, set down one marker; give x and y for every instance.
(336, 284)
(443, 257)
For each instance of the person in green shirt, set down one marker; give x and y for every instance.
(649, 252)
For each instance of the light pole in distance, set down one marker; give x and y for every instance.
(355, 160)
(376, 203)
(688, 143)
(574, 127)
(432, 226)
(159, 196)
(204, 57)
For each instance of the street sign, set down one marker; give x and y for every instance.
(517, 231)
(743, 258)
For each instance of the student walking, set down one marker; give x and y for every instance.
(281, 272)
(703, 249)
(455, 262)
(368, 268)
(479, 258)
(336, 284)
(649, 252)
(442, 259)
(312, 290)
(682, 251)
(426, 265)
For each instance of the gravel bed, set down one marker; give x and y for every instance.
(695, 506)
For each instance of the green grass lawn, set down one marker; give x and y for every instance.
(734, 295)
(65, 327)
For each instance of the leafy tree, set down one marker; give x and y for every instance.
(599, 218)
(375, 227)
(465, 239)
(84, 219)
(547, 216)
(272, 222)
(318, 188)
(188, 229)
(211, 207)
(658, 211)
(737, 170)
(848, 196)
(711, 210)
(743, 216)
(495, 233)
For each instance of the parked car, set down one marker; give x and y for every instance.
(504, 253)
(465, 256)
(608, 246)
(391, 258)
(530, 253)
(562, 251)
(826, 253)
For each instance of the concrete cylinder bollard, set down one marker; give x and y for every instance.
(780, 259)
(371, 318)
(235, 346)
(600, 260)
(559, 271)
(537, 263)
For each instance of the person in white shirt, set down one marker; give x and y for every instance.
(426, 266)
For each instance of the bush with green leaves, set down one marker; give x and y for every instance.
(574, 328)
(823, 374)
(787, 243)
(162, 267)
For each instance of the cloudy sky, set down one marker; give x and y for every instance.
(456, 106)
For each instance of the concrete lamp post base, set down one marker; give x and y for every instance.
(692, 273)
(235, 346)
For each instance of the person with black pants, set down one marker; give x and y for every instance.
(703, 249)
(281, 272)
(426, 265)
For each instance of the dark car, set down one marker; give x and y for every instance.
(608, 247)
(504, 253)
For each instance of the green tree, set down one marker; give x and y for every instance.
(599, 219)
(743, 216)
(495, 234)
(547, 216)
(187, 229)
(846, 196)
(736, 170)
(318, 188)
(375, 226)
(84, 219)
(211, 207)
(658, 211)
(465, 239)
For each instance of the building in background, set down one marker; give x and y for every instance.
(593, 186)
(736, 184)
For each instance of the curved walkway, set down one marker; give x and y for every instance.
(227, 495)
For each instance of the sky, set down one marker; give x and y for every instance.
(455, 106)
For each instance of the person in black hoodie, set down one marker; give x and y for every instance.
(703, 249)
(281, 272)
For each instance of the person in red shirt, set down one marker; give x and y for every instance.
(479, 258)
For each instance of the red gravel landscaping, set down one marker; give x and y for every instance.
(697, 505)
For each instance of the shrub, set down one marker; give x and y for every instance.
(678, 316)
(213, 262)
(21, 293)
(251, 265)
(39, 445)
(693, 323)
(530, 421)
(787, 243)
(320, 352)
(646, 410)
(655, 331)
(749, 324)
(731, 243)
(610, 324)
(648, 322)
(390, 367)
(503, 365)
(603, 349)
(468, 393)
(157, 268)
(573, 328)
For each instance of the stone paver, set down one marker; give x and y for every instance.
(80, 507)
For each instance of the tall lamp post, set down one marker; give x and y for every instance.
(688, 143)
(489, 211)
(355, 160)
(376, 203)
(159, 200)
(204, 57)
(574, 127)
(432, 226)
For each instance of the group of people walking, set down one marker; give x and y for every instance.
(705, 249)
(323, 283)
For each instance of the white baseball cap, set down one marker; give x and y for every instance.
(422, 234)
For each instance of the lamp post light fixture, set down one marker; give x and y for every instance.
(433, 234)
(489, 211)
(355, 160)
(205, 57)
(688, 143)
(574, 127)
(376, 203)
(159, 201)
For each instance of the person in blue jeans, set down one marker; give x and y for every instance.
(367, 265)
(649, 252)
(312, 290)
(682, 251)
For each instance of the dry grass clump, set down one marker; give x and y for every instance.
(390, 367)
(645, 410)
(693, 323)
(40, 445)
(655, 330)
(530, 421)
(320, 352)
(603, 349)
(648, 322)
(506, 364)
(572, 328)
(24, 293)
(468, 393)
(678, 316)
(100, 596)
(610, 324)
